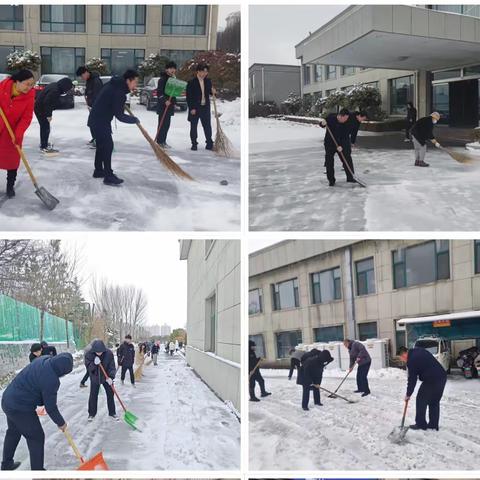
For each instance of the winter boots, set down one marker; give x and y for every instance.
(112, 180)
(421, 163)
(11, 177)
(194, 147)
(99, 174)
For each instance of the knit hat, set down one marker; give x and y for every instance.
(22, 75)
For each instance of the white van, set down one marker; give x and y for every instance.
(438, 347)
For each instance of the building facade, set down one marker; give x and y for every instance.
(66, 36)
(306, 291)
(425, 54)
(272, 83)
(165, 330)
(213, 314)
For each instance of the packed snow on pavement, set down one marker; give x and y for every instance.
(289, 190)
(150, 199)
(343, 436)
(188, 427)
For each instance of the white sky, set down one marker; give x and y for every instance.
(148, 261)
(258, 244)
(223, 12)
(274, 30)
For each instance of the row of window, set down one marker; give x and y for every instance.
(416, 265)
(329, 72)
(124, 19)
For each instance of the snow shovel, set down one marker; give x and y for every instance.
(397, 435)
(95, 463)
(129, 417)
(344, 161)
(42, 193)
(334, 394)
(173, 88)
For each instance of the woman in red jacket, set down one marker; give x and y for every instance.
(17, 98)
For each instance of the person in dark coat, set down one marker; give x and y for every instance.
(359, 355)
(155, 350)
(110, 103)
(100, 354)
(354, 121)
(35, 352)
(422, 131)
(46, 102)
(93, 85)
(422, 365)
(126, 358)
(410, 120)
(310, 374)
(199, 90)
(165, 104)
(47, 349)
(339, 128)
(36, 385)
(254, 373)
(295, 357)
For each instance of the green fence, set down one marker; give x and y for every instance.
(22, 322)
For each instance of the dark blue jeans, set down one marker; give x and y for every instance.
(429, 395)
(306, 395)
(103, 153)
(93, 399)
(362, 380)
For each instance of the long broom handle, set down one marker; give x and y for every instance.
(344, 161)
(404, 413)
(113, 388)
(74, 447)
(20, 151)
(140, 126)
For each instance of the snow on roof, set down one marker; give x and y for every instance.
(435, 318)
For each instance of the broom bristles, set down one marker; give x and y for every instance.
(222, 146)
(459, 156)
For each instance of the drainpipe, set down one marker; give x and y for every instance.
(263, 84)
(350, 323)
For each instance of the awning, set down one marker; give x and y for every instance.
(440, 318)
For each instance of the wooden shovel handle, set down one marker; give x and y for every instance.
(405, 412)
(74, 447)
(113, 388)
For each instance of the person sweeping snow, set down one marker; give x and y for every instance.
(165, 105)
(422, 131)
(422, 365)
(17, 99)
(254, 373)
(37, 384)
(359, 355)
(110, 103)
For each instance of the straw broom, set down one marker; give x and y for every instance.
(165, 160)
(459, 156)
(222, 145)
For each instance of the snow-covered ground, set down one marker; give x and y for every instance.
(150, 199)
(289, 191)
(188, 427)
(343, 436)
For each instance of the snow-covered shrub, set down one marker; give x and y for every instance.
(336, 100)
(292, 104)
(368, 98)
(152, 66)
(262, 109)
(23, 59)
(97, 65)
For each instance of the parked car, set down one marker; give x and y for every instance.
(67, 100)
(148, 96)
(438, 347)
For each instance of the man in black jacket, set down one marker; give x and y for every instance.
(93, 85)
(110, 103)
(339, 128)
(165, 104)
(410, 120)
(45, 103)
(155, 350)
(99, 354)
(199, 90)
(36, 385)
(126, 358)
(35, 352)
(354, 121)
(421, 132)
(422, 365)
(254, 373)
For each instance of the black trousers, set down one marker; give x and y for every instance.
(124, 371)
(256, 377)
(44, 130)
(362, 377)
(306, 395)
(85, 378)
(429, 395)
(11, 177)
(103, 153)
(407, 129)
(93, 399)
(24, 424)
(203, 115)
(294, 362)
(163, 132)
(92, 133)
(330, 162)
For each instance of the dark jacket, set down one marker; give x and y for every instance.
(32, 357)
(162, 97)
(358, 354)
(354, 126)
(49, 350)
(311, 369)
(423, 130)
(126, 354)
(341, 132)
(107, 359)
(92, 88)
(422, 365)
(252, 360)
(194, 93)
(110, 103)
(48, 99)
(37, 384)
(411, 115)
(155, 349)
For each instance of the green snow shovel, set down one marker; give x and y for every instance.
(397, 435)
(128, 416)
(175, 87)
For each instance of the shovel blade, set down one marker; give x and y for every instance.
(131, 419)
(397, 435)
(95, 463)
(47, 198)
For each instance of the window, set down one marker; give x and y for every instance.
(421, 264)
(326, 286)
(401, 92)
(348, 70)
(285, 295)
(441, 101)
(118, 60)
(367, 330)
(306, 74)
(318, 72)
(210, 324)
(328, 334)
(4, 51)
(11, 17)
(184, 20)
(331, 72)
(474, 70)
(447, 74)
(260, 344)
(400, 339)
(62, 60)
(62, 18)
(255, 301)
(472, 10)
(476, 246)
(286, 341)
(365, 270)
(374, 84)
(126, 19)
(180, 57)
